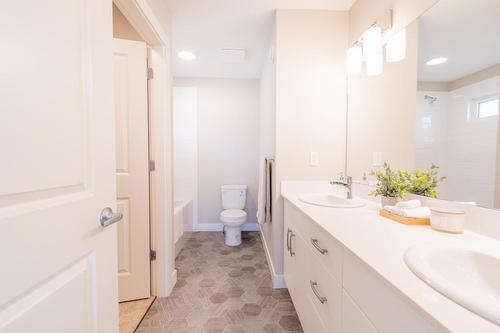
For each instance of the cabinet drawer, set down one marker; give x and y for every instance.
(353, 319)
(325, 293)
(323, 246)
(386, 308)
(296, 258)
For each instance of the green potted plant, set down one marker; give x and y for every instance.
(391, 185)
(424, 182)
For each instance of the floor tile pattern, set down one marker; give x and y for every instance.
(222, 289)
(132, 312)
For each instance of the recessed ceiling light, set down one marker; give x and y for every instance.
(186, 55)
(437, 61)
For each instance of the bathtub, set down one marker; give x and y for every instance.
(183, 214)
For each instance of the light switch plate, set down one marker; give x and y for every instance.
(314, 158)
(377, 159)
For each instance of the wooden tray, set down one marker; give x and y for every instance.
(403, 219)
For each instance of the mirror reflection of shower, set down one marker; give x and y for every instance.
(430, 99)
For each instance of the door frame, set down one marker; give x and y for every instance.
(142, 18)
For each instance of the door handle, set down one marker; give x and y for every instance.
(314, 287)
(288, 240)
(108, 217)
(291, 249)
(315, 243)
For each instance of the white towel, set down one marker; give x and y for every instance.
(264, 200)
(419, 212)
(409, 204)
(394, 210)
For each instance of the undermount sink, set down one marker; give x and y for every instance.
(330, 200)
(467, 274)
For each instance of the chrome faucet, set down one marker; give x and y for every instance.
(347, 184)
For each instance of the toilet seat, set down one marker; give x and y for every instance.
(233, 216)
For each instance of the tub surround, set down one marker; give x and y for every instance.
(377, 245)
(183, 215)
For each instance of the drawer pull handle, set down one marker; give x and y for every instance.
(291, 250)
(314, 286)
(315, 243)
(288, 240)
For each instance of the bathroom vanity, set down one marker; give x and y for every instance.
(345, 270)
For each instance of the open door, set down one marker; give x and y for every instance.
(57, 170)
(132, 170)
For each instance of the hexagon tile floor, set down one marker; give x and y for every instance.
(222, 289)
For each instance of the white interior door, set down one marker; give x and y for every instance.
(57, 167)
(132, 171)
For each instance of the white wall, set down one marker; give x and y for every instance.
(307, 97)
(185, 132)
(267, 119)
(310, 92)
(466, 148)
(267, 139)
(228, 143)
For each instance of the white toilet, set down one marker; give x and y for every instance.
(233, 216)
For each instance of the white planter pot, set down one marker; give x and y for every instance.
(389, 201)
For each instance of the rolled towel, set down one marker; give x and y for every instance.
(419, 212)
(394, 210)
(409, 204)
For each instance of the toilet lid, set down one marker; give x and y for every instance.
(233, 213)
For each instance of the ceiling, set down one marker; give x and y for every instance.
(206, 26)
(467, 32)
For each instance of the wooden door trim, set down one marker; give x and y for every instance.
(147, 24)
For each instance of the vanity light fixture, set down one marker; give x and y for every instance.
(436, 61)
(354, 60)
(186, 55)
(372, 50)
(395, 48)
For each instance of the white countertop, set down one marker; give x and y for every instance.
(381, 244)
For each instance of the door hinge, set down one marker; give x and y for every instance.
(152, 255)
(151, 73)
(152, 165)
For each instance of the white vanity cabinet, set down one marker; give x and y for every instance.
(334, 291)
(297, 279)
(316, 293)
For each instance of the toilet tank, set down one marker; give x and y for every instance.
(234, 196)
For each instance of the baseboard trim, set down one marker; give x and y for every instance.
(278, 279)
(218, 227)
(173, 281)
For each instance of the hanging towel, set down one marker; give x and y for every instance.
(264, 201)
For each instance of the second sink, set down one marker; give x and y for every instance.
(467, 274)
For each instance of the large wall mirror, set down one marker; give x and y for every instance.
(440, 105)
(457, 108)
